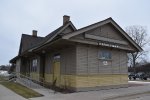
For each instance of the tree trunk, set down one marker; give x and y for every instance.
(134, 69)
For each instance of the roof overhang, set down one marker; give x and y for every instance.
(109, 20)
(13, 60)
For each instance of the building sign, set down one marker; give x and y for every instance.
(105, 63)
(108, 44)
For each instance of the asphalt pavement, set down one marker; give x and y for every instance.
(137, 90)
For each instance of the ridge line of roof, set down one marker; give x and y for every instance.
(51, 35)
(135, 44)
(108, 20)
(32, 36)
(90, 25)
(94, 23)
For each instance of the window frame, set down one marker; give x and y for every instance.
(105, 54)
(34, 64)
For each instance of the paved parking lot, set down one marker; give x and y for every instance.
(134, 88)
(142, 98)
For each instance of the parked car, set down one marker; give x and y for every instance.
(132, 76)
(143, 76)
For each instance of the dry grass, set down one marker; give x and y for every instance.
(21, 90)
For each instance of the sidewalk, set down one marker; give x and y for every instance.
(6, 94)
(96, 95)
(136, 87)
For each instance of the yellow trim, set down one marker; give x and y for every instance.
(48, 78)
(34, 76)
(68, 81)
(89, 80)
(56, 69)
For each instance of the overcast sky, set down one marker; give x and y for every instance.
(23, 16)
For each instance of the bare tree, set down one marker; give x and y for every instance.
(140, 36)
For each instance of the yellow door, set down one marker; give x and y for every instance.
(56, 77)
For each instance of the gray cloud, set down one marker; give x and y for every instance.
(22, 16)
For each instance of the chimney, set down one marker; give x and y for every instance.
(34, 33)
(66, 19)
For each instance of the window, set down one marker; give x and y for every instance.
(34, 65)
(104, 54)
(56, 56)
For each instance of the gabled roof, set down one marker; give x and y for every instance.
(54, 34)
(13, 60)
(106, 21)
(28, 42)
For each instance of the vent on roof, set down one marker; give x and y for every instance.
(34, 33)
(66, 19)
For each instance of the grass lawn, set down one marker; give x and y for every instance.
(20, 89)
(2, 79)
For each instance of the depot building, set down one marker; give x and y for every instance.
(90, 58)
